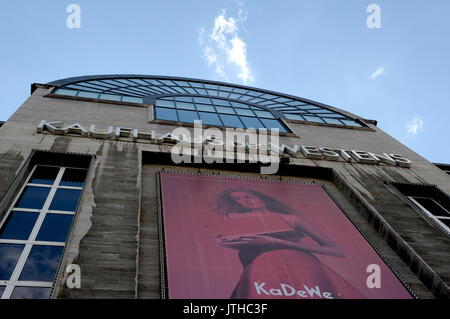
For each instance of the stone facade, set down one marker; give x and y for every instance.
(115, 237)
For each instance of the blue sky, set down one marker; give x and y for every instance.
(398, 74)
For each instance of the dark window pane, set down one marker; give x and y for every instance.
(31, 293)
(251, 122)
(433, 207)
(19, 225)
(44, 175)
(2, 289)
(9, 255)
(446, 222)
(166, 114)
(231, 120)
(55, 228)
(271, 124)
(73, 177)
(187, 116)
(65, 199)
(210, 118)
(42, 263)
(33, 197)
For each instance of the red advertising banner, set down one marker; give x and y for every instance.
(243, 238)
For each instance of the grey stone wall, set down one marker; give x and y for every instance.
(115, 234)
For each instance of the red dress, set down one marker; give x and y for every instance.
(289, 273)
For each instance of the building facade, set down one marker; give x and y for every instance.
(132, 186)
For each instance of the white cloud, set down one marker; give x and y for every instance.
(224, 50)
(414, 127)
(379, 71)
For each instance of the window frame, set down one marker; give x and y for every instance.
(431, 215)
(28, 244)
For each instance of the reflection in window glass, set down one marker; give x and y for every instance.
(313, 119)
(271, 124)
(9, 255)
(225, 110)
(264, 114)
(66, 92)
(65, 200)
(332, 121)
(187, 116)
(244, 112)
(165, 103)
(294, 117)
(42, 263)
(350, 122)
(55, 228)
(184, 105)
(132, 99)
(251, 122)
(183, 98)
(111, 97)
(2, 289)
(18, 225)
(31, 293)
(73, 177)
(231, 120)
(209, 118)
(33, 197)
(91, 95)
(206, 108)
(44, 175)
(237, 104)
(202, 100)
(221, 102)
(166, 114)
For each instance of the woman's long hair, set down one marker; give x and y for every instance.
(226, 204)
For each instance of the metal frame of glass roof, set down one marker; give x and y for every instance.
(148, 89)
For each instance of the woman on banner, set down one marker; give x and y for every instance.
(276, 264)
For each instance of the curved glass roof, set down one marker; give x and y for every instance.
(215, 103)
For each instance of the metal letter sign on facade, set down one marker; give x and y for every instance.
(244, 238)
(311, 152)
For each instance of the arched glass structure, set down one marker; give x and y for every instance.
(215, 103)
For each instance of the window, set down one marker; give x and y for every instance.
(433, 209)
(34, 232)
(215, 111)
(432, 203)
(134, 89)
